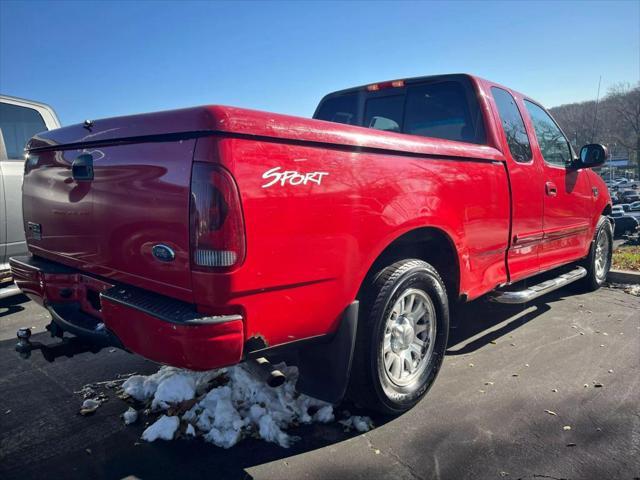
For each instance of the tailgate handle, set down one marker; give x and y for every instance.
(82, 168)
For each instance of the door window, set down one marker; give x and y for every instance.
(18, 125)
(554, 146)
(513, 125)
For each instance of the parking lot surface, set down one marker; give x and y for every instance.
(547, 390)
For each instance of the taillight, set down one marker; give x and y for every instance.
(217, 227)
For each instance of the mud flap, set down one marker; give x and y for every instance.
(325, 368)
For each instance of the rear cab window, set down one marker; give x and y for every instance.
(438, 108)
(18, 124)
(384, 113)
(339, 109)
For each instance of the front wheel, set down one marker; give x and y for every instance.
(401, 338)
(598, 262)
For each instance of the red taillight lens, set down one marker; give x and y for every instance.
(217, 227)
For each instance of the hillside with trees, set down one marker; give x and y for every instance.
(614, 121)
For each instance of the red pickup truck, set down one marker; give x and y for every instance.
(209, 236)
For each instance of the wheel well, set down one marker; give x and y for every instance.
(429, 244)
(607, 210)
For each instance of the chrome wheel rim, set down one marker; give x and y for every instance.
(601, 255)
(409, 337)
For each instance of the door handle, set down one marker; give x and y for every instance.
(551, 189)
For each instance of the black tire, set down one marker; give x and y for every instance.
(371, 385)
(596, 278)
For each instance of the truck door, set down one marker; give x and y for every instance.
(567, 193)
(525, 176)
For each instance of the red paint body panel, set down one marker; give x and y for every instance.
(309, 245)
(197, 347)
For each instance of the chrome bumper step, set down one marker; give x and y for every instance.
(535, 291)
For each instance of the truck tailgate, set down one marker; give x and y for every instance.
(138, 198)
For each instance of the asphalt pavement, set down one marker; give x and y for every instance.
(546, 390)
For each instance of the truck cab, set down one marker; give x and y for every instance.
(552, 198)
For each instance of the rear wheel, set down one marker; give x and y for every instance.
(598, 262)
(401, 338)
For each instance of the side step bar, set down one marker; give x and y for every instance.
(535, 291)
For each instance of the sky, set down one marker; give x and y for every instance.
(99, 59)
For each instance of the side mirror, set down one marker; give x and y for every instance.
(593, 155)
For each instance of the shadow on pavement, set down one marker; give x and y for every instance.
(480, 322)
(12, 305)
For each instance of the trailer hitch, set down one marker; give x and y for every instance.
(67, 347)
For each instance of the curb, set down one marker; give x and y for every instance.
(623, 276)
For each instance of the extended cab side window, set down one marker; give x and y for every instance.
(513, 125)
(554, 146)
(18, 125)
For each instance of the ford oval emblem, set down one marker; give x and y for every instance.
(163, 253)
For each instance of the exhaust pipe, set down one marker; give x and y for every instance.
(265, 371)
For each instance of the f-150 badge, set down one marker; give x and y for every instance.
(291, 177)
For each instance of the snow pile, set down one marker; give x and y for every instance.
(130, 416)
(627, 288)
(168, 385)
(90, 403)
(225, 405)
(89, 406)
(164, 428)
(633, 290)
(361, 424)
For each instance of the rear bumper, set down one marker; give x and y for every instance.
(157, 327)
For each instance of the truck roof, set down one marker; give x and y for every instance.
(424, 78)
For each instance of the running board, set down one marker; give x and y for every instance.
(535, 291)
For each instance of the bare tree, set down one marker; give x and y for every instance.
(617, 123)
(624, 106)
